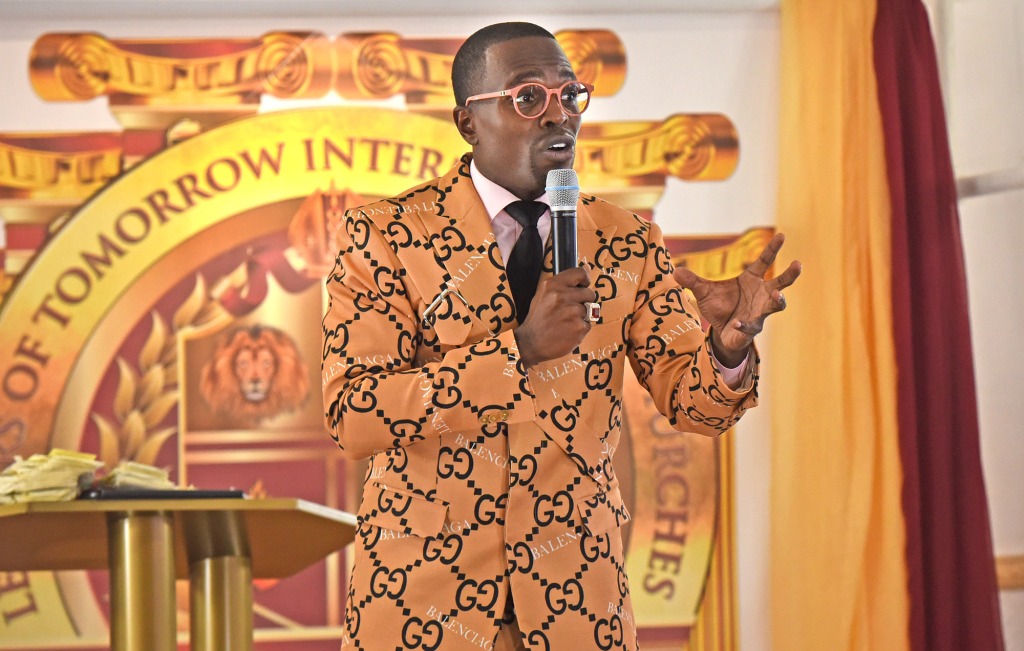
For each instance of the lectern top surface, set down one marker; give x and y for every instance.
(283, 535)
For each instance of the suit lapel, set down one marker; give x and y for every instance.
(468, 258)
(589, 241)
(559, 384)
(590, 238)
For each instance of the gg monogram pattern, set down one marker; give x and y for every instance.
(490, 485)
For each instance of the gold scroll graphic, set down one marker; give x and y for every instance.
(378, 65)
(627, 162)
(725, 260)
(690, 147)
(77, 67)
(51, 165)
(43, 176)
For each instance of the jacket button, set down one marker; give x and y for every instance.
(504, 414)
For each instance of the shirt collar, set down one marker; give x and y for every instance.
(493, 196)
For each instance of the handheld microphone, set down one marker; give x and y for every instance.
(563, 189)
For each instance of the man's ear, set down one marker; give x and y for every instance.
(464, 123)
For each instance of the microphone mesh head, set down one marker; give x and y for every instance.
(563, 189)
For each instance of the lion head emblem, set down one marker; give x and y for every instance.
(255, 373)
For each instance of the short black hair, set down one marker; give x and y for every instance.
(468, 66)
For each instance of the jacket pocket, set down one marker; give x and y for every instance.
(401, 511)
(602, 511)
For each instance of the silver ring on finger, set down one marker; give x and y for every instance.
(592, 312)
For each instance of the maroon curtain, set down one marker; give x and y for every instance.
(953, 591)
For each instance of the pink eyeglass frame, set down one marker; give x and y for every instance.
(557, 92)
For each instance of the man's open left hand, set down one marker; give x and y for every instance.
(736, 308)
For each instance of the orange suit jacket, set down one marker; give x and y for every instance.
(483, 477)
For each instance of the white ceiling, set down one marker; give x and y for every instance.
(77, 9)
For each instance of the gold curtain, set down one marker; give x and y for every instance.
(838, 576)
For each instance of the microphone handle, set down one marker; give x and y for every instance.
(563, 240)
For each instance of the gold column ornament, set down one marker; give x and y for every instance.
(597, 56)
(55, 166)
(43, 177)
(627, 162)
(379, 65)
(689, 147)
(154, 83)
(723, 257)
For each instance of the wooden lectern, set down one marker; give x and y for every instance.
(219, 544)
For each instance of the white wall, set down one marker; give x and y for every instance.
(983, 50)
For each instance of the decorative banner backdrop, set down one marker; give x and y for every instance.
(137, 264)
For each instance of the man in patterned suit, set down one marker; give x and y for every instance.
(491, 510)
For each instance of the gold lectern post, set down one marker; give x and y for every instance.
(220, 573)
(142, 581)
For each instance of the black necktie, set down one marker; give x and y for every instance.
(523, 268)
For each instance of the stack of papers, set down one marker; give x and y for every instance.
(53, 477)
(129, 474)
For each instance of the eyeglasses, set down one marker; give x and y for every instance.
(531, 99)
